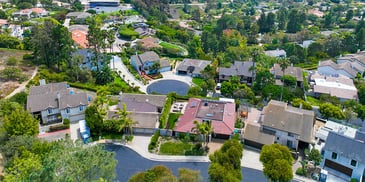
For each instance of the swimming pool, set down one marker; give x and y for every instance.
(167, 86)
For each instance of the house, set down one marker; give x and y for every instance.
(329, 68)
(278, 53)
(143, 63)
(149, 42)
(192, 67)
(287, 125)
(31, 13)
(345, 156)
(103, 3)
(52, 103)
(222, 114)
(296, 72)
(145, 110)
(337, 86)
(4, 24)
(242, 69)
(62, 4)
(133, 19)
(357, 61)
(78, 17)
(80, 38)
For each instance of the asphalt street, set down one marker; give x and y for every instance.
(129, 162)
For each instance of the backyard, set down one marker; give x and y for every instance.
(180, 49)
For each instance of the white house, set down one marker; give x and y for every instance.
(345, 155)
(53, 102)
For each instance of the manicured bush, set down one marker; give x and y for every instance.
(165, 113)
(300, 172)
(58, 127)
(154, 141)
(66, 122)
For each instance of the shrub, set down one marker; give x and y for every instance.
(27, 57)
(300, 172)
(58, 127)
(354, 180)
(165, 112)
(129, 138)
(20, 98)
(154, 140)
(66, 122)
(12, 61)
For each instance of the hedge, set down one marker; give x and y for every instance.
(154, 140)
(58, 127)
(166, 111)
(83, 86)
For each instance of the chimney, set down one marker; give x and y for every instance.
(42, 82)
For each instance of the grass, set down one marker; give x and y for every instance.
(175, 148)
(173, 117)
(313, 101)
(170, 46)
(108, 135)
(198, 81)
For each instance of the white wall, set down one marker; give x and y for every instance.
(74, 115)
(283, 138)
(357, 171)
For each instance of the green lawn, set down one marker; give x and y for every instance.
(170, 46)
(175, 148)
(198, 81)
(173, 117)
(313, 101)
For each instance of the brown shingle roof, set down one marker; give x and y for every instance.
(344, 66)
(142, 102)
(280, 116)
(253, 133)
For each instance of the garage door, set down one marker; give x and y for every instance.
(338, 167)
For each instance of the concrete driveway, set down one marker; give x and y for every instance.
(75, 131)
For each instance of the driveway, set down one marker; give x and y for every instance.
(75, 131)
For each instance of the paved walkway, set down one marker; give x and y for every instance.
(23, 85)
(123, 70)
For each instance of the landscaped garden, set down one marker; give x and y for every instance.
(170, 146)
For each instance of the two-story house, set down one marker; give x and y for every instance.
(329, 68)
(345, 155)
(53, 102)
(242, 69)
(290, 126)
(144, 63)
(296, 72)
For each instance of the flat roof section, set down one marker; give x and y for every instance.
(211, 110)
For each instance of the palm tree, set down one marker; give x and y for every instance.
(203, 130)
(197, 129)
(255, 53)
(284, 63)
(209, 130)
(124, 121)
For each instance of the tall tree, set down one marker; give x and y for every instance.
(277, 162)
(20, 122)
(328, 110)
(296, 21)
(282, 18)
(284, 63)
(94, 120)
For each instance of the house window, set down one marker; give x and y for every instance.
(50, 111)
(289, 143)
(68, 110)
(353, 163)
(334, 155)
(290, 134)
(277, 138)
(82, 108)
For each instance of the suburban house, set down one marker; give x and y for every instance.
(4, 24)
(287, 125)
(31, 13)
(86, 56)
(329, 68)
(242, 69)
(357, 61)
(149, 42)
(143, 63)
(103, 3)
(344, 155)
(53, 102)
(339, 86)
(78, 17)
(296, 72)
(278, 53)
(80, 37)
(192, 67)
(145, 110)
(133, 19)
(222, 114)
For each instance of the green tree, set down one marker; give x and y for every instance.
(315, 156)
(20, 122)
(277, 162)
(328, 110)
(296, 21)
(284, 63)
(263, 78)
(349, 14)
(158, 173)
(282, 18)
(27, 167)
(226, 162)
(188, 175)
(104, 76)
(94, 120)
(78, 163)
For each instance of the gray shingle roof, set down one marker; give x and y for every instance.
(282, 117)
(239, 68)
(253, 133)
(142, 102)
(143, 120)
(198, 65)
(48, 88)
(345, 146)
(344, 66)
(290, 70)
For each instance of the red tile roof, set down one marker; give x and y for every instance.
(80, 37)
(222, 120)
